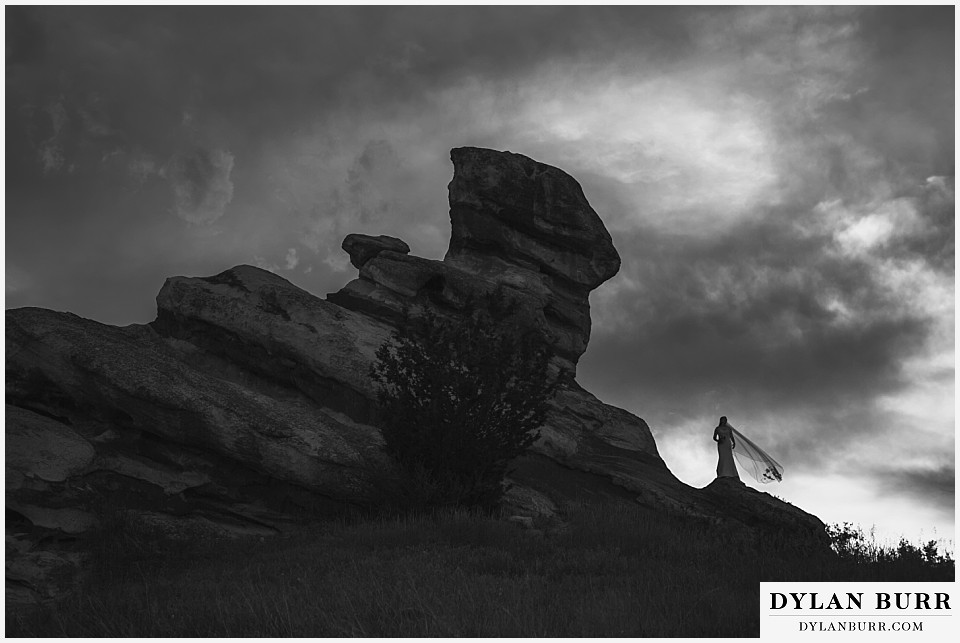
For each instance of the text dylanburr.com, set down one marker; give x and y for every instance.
(808, 610)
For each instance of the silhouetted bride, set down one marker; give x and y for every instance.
(755, 460)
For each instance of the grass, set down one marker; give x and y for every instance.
(615, 570)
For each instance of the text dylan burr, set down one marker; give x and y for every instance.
(854, 600)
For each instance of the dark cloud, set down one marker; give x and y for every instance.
(783, 321)
(931, 486)
(259, 70)
(912, 82)
(936, 243)
(798, 317)
(752, 311)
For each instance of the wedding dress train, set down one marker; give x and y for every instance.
(757, 462)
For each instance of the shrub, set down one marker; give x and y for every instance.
(460, 399)
(853, 546)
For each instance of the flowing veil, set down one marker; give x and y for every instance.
(755, 460)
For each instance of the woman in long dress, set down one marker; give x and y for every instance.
(757, 462)
(723, 436)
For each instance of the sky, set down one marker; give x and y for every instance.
(779, 183)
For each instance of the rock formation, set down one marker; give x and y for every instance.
(247, 404)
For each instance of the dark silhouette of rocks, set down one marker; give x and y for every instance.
(247, 404)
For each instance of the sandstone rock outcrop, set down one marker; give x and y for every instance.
(247, 404)
(363, 247)
(507, 207)
(516, 223)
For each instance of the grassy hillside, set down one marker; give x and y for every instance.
(615, 570)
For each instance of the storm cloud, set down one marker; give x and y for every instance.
(779, 182)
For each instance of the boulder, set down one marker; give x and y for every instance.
(260, 324)
(363, 247)
(509, 207)
(125, 382)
